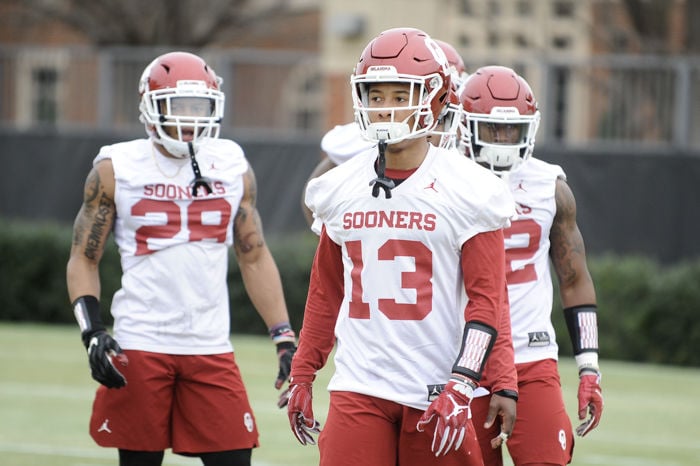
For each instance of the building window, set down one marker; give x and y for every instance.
(44, 105)
(561, 42)
(308, 117)
(521, 41)
(563, 9)
(494, 8)
(524, 8)
(466, 8)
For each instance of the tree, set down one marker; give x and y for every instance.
(192, 23)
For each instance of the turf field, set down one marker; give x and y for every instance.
(651, 412)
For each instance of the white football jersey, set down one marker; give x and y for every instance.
(401, 320)
(528, 270)
(173, 246)
(343, 142)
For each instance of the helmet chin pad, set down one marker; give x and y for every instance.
(389, 132)
(499, 158)
(176, 148)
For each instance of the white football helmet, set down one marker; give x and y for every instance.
(179, 90)
(499, 120)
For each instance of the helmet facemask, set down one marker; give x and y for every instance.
(422, 91)
(499, 119)
(194, 110)
(446, 131)
(501, 141)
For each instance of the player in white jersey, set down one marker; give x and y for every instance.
(338, 145)
(176, 202)
(346, 141)
(500, 122)
(343, 142)
(404, 241)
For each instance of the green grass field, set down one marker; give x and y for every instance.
(651, 413)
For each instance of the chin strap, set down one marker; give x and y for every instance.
(382, 181)
(199, 180)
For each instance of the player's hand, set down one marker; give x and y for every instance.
(301, 414)
(285, 353)
(505, 408)
(452, 416)
(102, 350)
(590, 402)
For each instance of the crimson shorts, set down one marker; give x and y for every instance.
(368, 431)
(542, 432)
(192, 404)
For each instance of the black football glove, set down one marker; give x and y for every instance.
(102, 350)
(285, 353)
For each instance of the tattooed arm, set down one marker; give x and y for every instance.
(90, 232)
(258, 268)
(568, 252)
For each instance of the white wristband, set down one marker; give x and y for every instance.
(587, 361)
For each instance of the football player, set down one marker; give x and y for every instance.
(500, 121)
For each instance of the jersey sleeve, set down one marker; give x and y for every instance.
(499, 371)
(494, 209)
(483, 267)
(313, 201)
(343, 142)
(326, 289)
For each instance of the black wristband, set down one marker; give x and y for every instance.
(477, 342)
(512, 394)
(87, 312)
(582, 324)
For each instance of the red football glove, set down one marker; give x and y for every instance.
(453, 416)
(590, 401)
(300, 411)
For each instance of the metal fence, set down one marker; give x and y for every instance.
(274, 94)
(649, 103)
(607, 102)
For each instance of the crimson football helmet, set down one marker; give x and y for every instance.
(448, 125)
(500, 118)
(402, 55)
(179, 90)
(456, 63)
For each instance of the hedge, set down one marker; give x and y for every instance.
(647, 312)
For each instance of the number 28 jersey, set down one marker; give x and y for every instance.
(528, 271)
(174, 246)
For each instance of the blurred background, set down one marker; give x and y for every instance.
(618, 85)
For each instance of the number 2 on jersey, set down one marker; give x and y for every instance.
(534, 233)
(196, 227)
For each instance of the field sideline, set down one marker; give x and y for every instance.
(650, 418)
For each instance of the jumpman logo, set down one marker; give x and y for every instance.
(432, 185)
(105, 427)
(520, 186)
(457, 408)
(212, 166)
